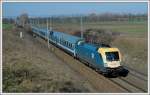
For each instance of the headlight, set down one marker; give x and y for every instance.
(105, 65)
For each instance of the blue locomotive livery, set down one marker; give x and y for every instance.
(102, 58)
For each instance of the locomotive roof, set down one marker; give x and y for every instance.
(95, 47)
(67, 37)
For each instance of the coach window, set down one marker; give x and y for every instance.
(55, 38)
(66, 43)
(63, 42)
(69, 45)
(72, 45)
(60, 40)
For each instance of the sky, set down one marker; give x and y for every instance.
(13, 9)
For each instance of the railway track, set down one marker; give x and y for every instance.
(127, 84)
(137, 74)
(130, 87)
(137, 79)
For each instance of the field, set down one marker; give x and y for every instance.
(29, 66)
(7, 26)
(132, 39)
(124, 27)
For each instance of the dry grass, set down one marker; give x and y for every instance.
(28, 66)
(134, 51)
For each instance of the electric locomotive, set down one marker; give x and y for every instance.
(102, 58)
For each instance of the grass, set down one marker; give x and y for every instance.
(123, 28)
(7, 26)
(112, 26)
(28, 66)
(18, 77)
(134, 52)
(24, 76)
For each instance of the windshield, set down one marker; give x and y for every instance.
(112, 56)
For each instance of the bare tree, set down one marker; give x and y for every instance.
(24, 19)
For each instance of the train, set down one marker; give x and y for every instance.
(102, 58)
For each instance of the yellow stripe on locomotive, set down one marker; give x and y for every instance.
(111, 57)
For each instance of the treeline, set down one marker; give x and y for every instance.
(106, 17)
(8, 20)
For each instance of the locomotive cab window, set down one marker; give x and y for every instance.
(112, 56)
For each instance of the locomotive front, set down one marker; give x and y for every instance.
(112, 61)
